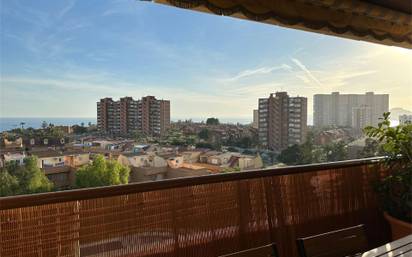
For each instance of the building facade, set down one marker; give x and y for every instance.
(405, 119)
(108, 117)
(282, 121)
(153, 115)
(361, 117)
(349, 110)
(255, 123)
(128, 115)
(148, 115)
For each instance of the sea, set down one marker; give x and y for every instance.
(12, 123)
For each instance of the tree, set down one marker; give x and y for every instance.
(56, 132)
(305, 153)
(395, 140)
(205, 145)
(190, 140)
(335, 151)
(138, 136)
(25, 179)
(204, 134)
(245, 142)
(292, 155)
(372, 148)
(232, 149)
(8, 183)
(212, 121)
(44, 124)
(102, 172)
(79, 129)
(31, 178)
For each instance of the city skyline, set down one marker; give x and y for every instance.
(59, 58)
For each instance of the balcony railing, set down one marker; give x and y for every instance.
(199, 216)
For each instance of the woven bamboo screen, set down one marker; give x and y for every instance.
(199, 220)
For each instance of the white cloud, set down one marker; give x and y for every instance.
(258, 71)
(66, 8)
(307, 71)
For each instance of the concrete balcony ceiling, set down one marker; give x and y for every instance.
(385, 22)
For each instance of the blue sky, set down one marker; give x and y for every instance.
(59, 57)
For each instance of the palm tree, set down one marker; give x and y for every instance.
(22, 125)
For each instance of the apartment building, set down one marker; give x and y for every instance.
(405, 119)
(126, 116)
(349, 110)
(362, 116)
(153, 115)
(282, 121)
(108, 116)
(255, 123)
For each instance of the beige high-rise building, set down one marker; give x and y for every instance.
(255, 123)
(338, 110)
(282, 121)
(361, 117)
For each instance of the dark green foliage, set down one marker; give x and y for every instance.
(395, 191)
(79, 129)
(372, 148)
(291, 156)
(249, 152)
(212, 121)
(242, 142)
(102, 172)
(204, 134)
(25, 179)
(308, 153)
(305, 153)
(232, 149)
(246, 142)
(396, 140)
(205, 145)
(8, 184)
(335, 151)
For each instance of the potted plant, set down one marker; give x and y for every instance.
(395, 190)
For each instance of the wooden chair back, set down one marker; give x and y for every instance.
(262, 251)
(338, 243)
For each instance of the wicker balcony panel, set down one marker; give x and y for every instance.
(197, 218)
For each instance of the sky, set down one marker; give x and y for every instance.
(58, 58)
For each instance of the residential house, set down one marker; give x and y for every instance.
(10, 144)
(245, 162)
(55, 166)
(220, 159)
(175, 162)
(62, 176)
(203, 158)
(137, 160)
(191, 156)
(17, 157)
(76, 158)
(50, 158)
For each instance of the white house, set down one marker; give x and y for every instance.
(141, 160)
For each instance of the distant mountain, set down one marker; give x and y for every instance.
(396, 112)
